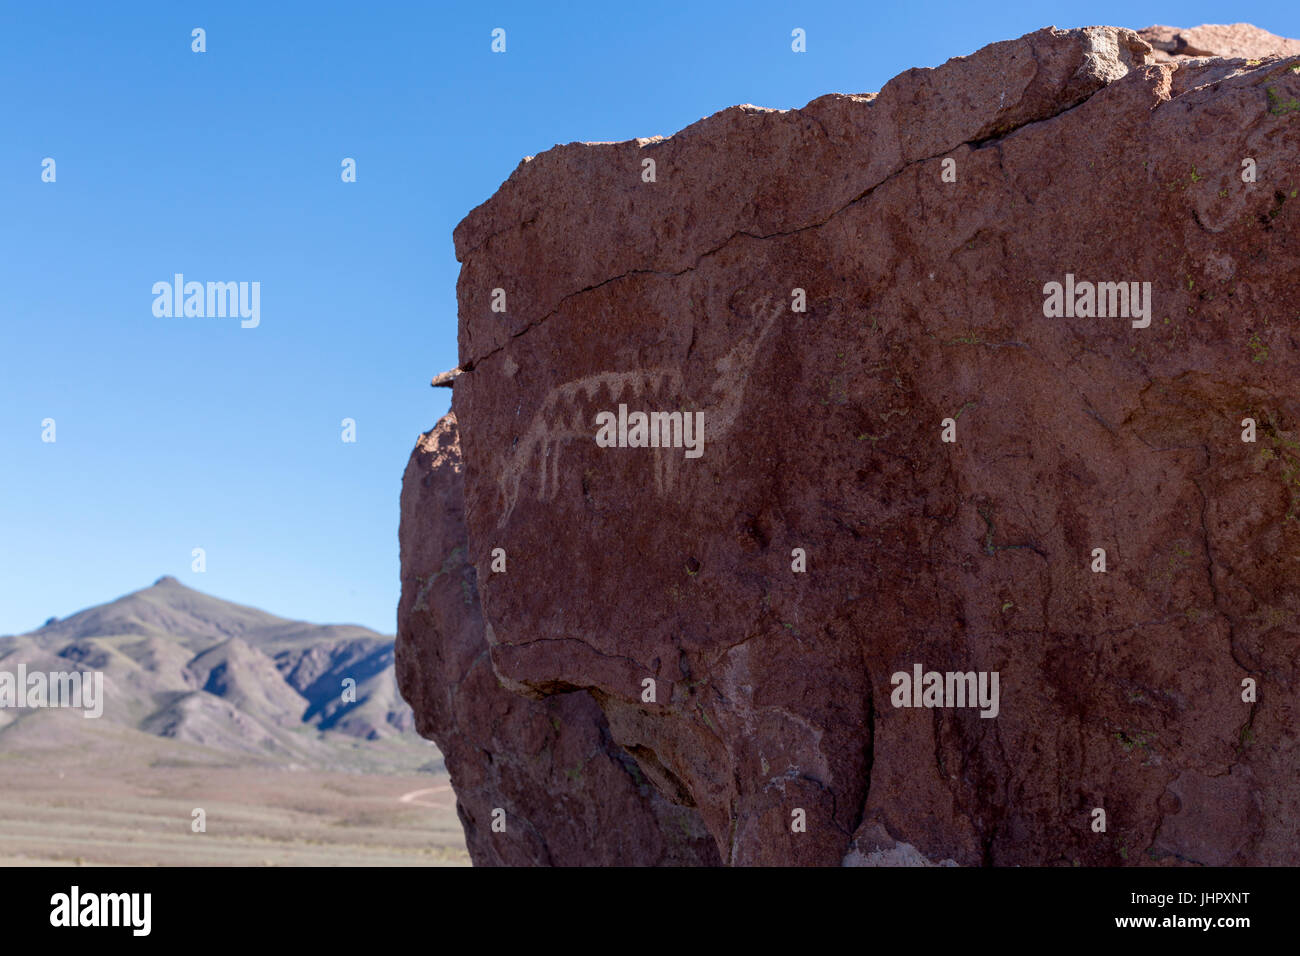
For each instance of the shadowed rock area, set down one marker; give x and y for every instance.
(1089, 155)
(570, 794)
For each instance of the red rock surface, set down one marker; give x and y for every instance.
(1234, 41)
(570, 795)
(1075, 153)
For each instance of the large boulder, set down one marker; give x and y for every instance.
(915, 472)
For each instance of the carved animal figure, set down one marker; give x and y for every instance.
(568, 413)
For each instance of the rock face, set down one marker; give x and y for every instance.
(1237, 41)
(570, 794)
(913, 450)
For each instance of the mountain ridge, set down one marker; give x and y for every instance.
(182, 664)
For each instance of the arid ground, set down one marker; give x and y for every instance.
(118, 796)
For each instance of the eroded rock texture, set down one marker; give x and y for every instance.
(1074, 153)
(570, 795)
(1235, 40)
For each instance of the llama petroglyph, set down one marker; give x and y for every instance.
(569, 412)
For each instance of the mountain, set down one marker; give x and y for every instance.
(235, 680)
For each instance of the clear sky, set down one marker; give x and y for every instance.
(185, 432)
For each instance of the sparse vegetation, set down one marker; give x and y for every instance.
(1279, 107)
(1259, 351)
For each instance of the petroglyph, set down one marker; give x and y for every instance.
(569, 412)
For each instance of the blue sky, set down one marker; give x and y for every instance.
(179, 433)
